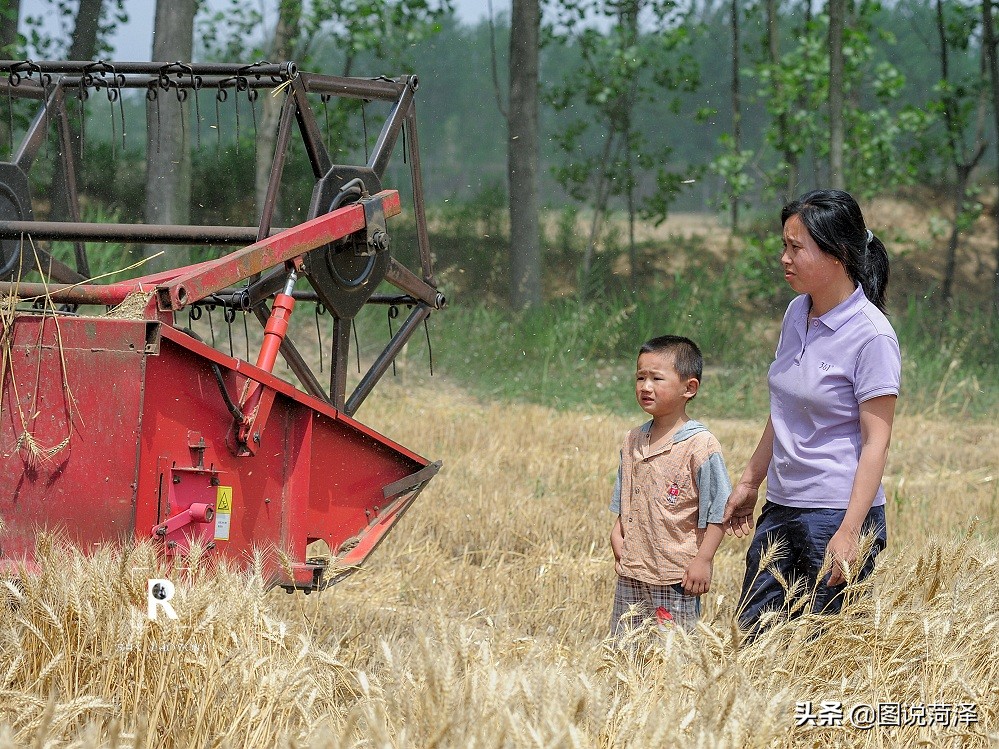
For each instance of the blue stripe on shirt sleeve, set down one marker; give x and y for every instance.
(713, 489)
(615, 505)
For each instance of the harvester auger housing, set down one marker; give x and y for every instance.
(118, 423)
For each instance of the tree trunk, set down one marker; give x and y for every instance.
(790, 158)
(522, 155)
(286, 30)
(10, 13)
(736, 109)
(83, 47)
(837, 16)
(168, 153)
(963, 175)
(993, 64)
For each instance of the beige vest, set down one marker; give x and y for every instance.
(659, 505)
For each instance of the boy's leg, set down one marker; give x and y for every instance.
(829, 600)
(771, 550)
(685, 610)
(632, 601)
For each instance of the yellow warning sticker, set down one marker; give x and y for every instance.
(223, 513)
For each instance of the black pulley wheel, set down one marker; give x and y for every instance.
(15, 205)
(345, 273)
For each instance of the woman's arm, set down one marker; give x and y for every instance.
(738, 520)
(876, 418)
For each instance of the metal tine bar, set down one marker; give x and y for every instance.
(419, 207)
(277, 166)
(235, 298)
(83, 67)
(382, 152)
(383, 89)
(69, 175)
(319, 157)
(159, 233)
(146, 81)
(404, 279)
(36, 134)
(262, 310)
(23, 90)
(385, 359)
(338, 366)
(347, 88)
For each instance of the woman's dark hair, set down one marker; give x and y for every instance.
(835, 222)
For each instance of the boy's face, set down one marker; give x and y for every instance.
(659, 389)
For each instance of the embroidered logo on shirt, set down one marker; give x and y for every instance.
(825, 366)
(672, 493)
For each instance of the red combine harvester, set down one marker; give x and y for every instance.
(118, 422)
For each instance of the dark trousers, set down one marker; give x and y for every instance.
(802, 536)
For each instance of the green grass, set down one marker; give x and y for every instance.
(582, 356)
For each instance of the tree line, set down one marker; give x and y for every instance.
(617, 105)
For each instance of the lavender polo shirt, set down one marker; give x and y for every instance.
(822, 372)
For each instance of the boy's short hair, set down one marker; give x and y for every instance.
(687, 359)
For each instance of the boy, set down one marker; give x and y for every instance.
(670, 494)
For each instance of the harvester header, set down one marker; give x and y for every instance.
(118, 422)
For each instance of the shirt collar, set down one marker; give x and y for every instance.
(688, 430)
(839, 315)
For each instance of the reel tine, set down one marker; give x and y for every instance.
(357, 346)
(325, 99)
(10, 114)
(196, 81)
(364, 128)
(430, 348)
(229, 315)
(120, 80)
(320, 310)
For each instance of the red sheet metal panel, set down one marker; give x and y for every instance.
(87, 488)
(150, 451)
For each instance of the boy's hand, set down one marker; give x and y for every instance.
(697, 577)
(618, 568)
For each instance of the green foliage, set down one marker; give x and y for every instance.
(950, 358)
(328, 29)
(42, 43)
(882, 132)
(104, 258)
(732, 166)
(636, 52)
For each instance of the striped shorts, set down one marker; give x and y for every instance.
(636, 601)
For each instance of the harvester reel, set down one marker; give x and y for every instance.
(15, 205)
(346, 273)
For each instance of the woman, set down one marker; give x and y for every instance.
(833, 386)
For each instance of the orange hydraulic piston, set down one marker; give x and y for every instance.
(274, 333)
(277, 325)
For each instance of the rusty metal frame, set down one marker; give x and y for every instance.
(266, 251)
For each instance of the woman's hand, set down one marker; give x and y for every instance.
(738, 519)
(842, 549)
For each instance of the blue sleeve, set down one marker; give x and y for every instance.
(713, 489)
(615, 505)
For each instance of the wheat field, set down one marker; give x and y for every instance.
(481, 620)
